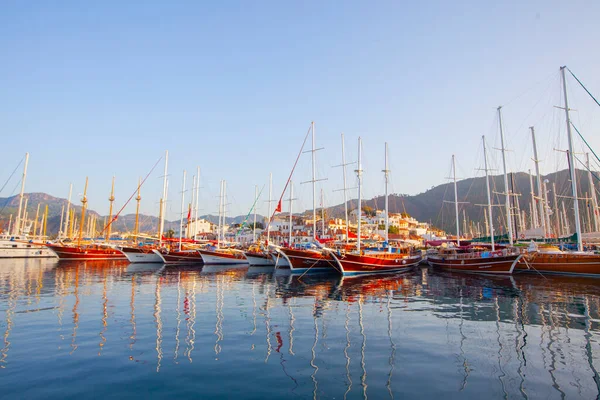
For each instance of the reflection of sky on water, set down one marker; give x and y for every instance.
(177, 330)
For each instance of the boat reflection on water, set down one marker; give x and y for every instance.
(311, 336)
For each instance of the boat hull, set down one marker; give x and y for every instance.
(562, 263)
(24, 250)
(85, 253)
(180, 257)
(259, 259)
(484, 265)
(141, 255)
(358, 264)
(309, 260)
(216, 257)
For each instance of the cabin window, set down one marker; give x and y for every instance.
(14, 245)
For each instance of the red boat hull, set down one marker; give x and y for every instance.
(562, 263)
(303, 260)
(181, 257)
(87, 253)
(486, 265)
(355, 264)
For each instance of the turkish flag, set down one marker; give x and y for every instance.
(278, 208)
(189, 213)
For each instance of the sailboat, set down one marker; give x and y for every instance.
(370, 262)
(80, 251)
(468, 259)
(314, 258)
(553, 260)
(222, 254)
(256, 254)
(180, 255)
(17, 244)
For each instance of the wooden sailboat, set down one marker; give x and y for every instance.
(221, 254)
(313, 258)
(370, 262)
(81, 251)
(469, 259)
(551, 259)
(180, 255)
(258, 255)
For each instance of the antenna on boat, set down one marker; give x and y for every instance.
(506, 188)
(572, 165)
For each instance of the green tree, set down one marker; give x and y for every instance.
(369, 211)
(170, 234)
(394, 230)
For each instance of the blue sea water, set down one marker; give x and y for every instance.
(112, 330)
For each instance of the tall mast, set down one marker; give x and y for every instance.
(182, 210)
(111, 199)
(359, 175)
(572, 165)
(314, 181)
(456, 201)
(17, 225)
(62, 216)
(322, 213)
(593, 192)
(489, 198)
(220, 214)
(506, 188)
(533, 208)
(557, 228)
(291, 213)
(254, 226)
(83, 207)
(67, 215)
(386, 173)
(191, 208)
(224, 207)
(35, 221)
(138, 198)
(269, 214)
(541, 205)
(197, 202)
(45, 220)
(161, 223)
(344, 190)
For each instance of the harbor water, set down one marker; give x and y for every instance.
(111, 329)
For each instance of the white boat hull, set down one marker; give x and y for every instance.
(215, 259)
(23, 250)
(259, 261)
(150, 257)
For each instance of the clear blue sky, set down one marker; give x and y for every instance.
(104, 88)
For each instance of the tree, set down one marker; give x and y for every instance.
(170, 234)
(394, 230)
(369, 211)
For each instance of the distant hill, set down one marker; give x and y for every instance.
(428, 206)
(125, 223)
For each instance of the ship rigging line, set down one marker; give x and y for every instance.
(584, 88)
(130, 197)
(585, 141)
(290, 177)
(249, 212)
(11, 175)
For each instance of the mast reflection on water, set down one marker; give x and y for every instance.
(311, 336)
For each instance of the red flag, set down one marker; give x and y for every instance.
(278, 208)
(189, 212)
